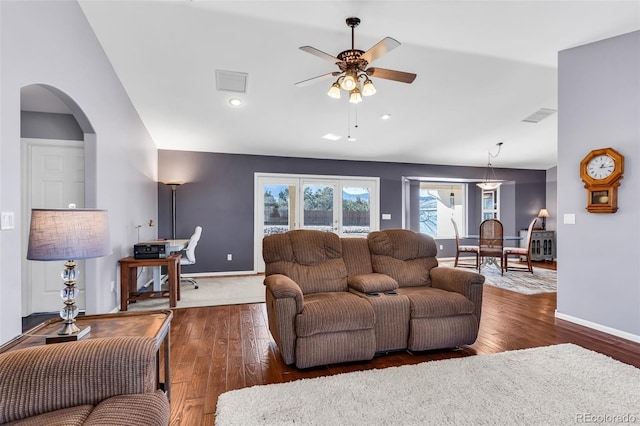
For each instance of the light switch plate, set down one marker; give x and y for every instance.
(7, 221)
(569, 219)
(386, 216)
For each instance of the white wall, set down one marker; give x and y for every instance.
(599, 256)
(51, 42)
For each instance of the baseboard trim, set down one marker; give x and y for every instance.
(218, 274)
(599, 327)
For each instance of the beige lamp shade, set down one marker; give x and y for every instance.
(543, 213)
(68, 234)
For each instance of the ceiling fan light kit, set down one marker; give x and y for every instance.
(353, 67)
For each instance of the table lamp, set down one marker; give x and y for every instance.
(544, 214)
(68, 234)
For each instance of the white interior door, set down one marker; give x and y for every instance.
(53, 177)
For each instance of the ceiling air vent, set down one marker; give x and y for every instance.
(539, 115)
(231, 81)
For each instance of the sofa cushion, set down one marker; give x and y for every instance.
(429, 302)
(65, 417)
(313, 259)
(355, 252)
(372, 283)
(148, 409)
(404, 255)
(333, 312)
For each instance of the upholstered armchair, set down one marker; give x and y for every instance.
(109, 381)
(313, 317)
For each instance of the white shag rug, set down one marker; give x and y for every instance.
(212, 291)
(554, 385)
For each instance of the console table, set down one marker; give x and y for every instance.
(129, 279)
(542, 244)
(153, 324)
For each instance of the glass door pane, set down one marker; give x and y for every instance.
(356, 210)
(319, 199)
(278, 215)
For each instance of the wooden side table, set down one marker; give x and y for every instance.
(152, 324)
(129, 279)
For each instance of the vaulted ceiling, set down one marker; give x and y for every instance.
(482, 66)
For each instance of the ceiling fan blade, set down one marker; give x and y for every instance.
(382, 47)
(318, 78)
(320, 54)
(401, 76)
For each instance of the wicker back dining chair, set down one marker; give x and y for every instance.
(491, 243)
(520, 252)
(465, 249)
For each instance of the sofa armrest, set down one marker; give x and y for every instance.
(372, 283)
(283, 287)
(467, 283)
(284, 301)
(46, 378)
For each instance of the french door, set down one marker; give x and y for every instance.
(347, 206)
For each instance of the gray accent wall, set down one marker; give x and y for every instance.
(219, 196)
(599, 107)
(44, 125)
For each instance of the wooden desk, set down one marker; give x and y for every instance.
(129, 280)
(153, 324)
(174, 246)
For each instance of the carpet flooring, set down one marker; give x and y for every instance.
(541, 281)
(213, 291)
(553, 385)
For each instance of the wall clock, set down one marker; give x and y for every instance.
(601, 171)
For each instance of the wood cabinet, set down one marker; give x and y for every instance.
(543, 244)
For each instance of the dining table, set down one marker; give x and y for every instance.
(490, 260)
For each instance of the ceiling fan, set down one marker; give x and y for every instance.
(353, 65)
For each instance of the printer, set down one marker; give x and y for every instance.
(151, 250)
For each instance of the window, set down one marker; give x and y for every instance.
(490, 202)
(439, 203)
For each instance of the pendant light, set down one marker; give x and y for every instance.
(490, 181)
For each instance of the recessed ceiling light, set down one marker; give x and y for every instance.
(235, 102)
(332, 137)
(385, 116)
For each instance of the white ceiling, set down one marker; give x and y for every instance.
(482, 67)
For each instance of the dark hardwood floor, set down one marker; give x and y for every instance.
(221, 348)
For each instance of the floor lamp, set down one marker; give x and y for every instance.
(173, 185)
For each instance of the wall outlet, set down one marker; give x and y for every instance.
(386, 216)
(441, 247)
(113, 286)
(229, 257)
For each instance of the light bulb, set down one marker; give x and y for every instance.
(334, 92)
(368, 89)
(349, 81)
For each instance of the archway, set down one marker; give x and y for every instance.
(52, 120)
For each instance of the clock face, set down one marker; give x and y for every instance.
(601, 167)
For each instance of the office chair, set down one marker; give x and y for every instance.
(189, 253)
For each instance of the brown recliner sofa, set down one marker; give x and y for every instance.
(332, 299)
(108, 381)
